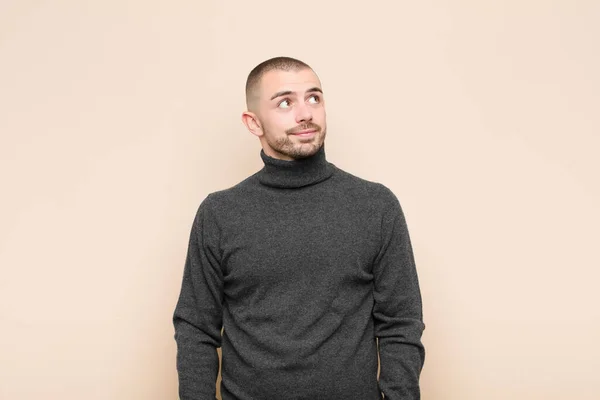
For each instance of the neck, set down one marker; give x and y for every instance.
(295, 173)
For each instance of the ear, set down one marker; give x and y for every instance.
(252, 123)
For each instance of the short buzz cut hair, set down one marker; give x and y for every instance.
(275, 63)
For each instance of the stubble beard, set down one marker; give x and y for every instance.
(286, 146)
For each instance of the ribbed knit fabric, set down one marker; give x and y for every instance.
(303, 265)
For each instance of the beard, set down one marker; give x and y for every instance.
(288, 147)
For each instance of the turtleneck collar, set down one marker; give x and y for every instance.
(295, 173)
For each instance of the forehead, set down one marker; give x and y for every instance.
(295, 81)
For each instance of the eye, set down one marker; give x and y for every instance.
(284, 104)
(314, 99)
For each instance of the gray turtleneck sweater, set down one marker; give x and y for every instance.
(303, 265)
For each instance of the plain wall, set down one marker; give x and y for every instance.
(118, 117)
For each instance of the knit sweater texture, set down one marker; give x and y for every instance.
(294, 273)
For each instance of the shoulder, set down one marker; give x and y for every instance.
(225, 201)
(376, 192)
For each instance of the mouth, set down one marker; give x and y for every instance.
(305, 133)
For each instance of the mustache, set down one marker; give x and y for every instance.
(303, 127)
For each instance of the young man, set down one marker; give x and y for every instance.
(302, 264)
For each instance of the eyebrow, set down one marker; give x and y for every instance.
(288, 92)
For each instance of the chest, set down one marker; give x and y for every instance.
(310, 241)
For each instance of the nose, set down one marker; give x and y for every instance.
(303, 113)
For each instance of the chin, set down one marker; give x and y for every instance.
(307, 150)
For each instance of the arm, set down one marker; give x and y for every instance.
(397, 311)
(198, 314)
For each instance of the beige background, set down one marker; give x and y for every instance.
(118, 117)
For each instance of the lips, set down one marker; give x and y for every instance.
(305, 132)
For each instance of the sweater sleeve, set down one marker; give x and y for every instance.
(397, 311)
(198, 314)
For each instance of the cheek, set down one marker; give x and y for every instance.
(319, 116)
(280, 122)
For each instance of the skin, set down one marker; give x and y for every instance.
(287, 114)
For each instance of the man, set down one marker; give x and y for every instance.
(302, 265)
